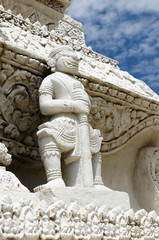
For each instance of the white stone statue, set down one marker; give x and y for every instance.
(67, 136)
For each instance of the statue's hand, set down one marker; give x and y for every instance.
(81, 106)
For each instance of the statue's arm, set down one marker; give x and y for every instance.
(50, 106)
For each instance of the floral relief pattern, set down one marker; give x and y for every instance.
(113, 119)
(19, 114)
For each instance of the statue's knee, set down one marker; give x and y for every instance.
(46, 140)
(48, 148)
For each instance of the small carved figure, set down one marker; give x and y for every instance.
(48, 228)
(8, 181)
(67, 136)
(31, 227)
(5, 157)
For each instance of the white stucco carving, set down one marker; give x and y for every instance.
(5, 157)
(68, 135)
(146, 177)
(22, 220)
(107, 73)
(34, 37)
(122, 108)
(142, 111)
(8, 181)
(42, 11)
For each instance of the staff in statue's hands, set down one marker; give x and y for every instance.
(67, 136)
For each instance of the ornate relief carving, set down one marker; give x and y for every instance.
(59, 5)
(11, 55)
(145, 177)
(54, 4)
(5, 157)
(118, 114)
(117, 80)
(19, 114)
(114, 119)
(70, 32)
(34, 13)
(21, 220)
(120, 96)
(118, 123)
(123, 105)
(154, 166)
(12, 22)
(8, 181)
(67, 33)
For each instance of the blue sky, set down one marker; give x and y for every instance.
(127, 31)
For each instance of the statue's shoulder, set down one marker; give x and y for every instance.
(56, 79)
(60, 75)
(46, 86)
(50, 78)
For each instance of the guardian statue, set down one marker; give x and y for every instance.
(67, 136)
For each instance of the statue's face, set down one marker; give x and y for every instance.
(68, 63)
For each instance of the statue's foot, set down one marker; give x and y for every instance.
(98, 184)
(58, 182)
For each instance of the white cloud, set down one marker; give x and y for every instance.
(86, 9)
(124, 30)
(138, 6)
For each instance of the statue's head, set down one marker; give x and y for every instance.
(63, 59)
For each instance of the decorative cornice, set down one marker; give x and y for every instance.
(116, 94)
(37, 64)
(60, 220)
(119, 114)
(36, 28)
(116, 144)
(60, 5)
(34, 11)
(17, 57)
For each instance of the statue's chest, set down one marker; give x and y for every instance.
(64, 86)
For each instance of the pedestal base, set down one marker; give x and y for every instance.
(84, 196)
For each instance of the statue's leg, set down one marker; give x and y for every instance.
(97, 161)
(51, 158)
